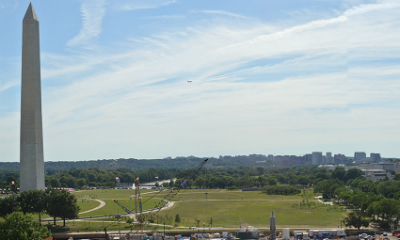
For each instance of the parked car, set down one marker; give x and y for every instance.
(364, 235)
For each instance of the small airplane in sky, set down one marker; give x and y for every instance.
(189, 81)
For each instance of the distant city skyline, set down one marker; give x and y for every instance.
(156, 78)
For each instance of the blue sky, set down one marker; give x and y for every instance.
(269, 77)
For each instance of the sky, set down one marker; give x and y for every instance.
(164, 78)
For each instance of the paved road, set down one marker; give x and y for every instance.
(102, 204)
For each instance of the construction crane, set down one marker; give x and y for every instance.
(161, 204)
(138, 201)
(123, 207)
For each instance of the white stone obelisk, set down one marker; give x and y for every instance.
(31, 145)
(272, 227)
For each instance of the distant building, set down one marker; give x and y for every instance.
(376, 174)
(375, 157)
(270, 157)
(316, 158)
(329, 158)
(380, 165)
(360, 156)
(307, 159)
(340, 159)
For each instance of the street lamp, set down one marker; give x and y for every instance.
(341, 223)
(206, 202)
(164, 230)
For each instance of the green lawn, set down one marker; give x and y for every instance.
(87, 204)
(226, 208)
(124, 197)
(231, 209)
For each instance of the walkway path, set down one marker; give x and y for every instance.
(102, 204)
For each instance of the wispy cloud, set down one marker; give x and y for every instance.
(7, 7)
(253, 85)
(223, 13)
(8, 85)
(148, 4)
(92, 12)
(168, 17)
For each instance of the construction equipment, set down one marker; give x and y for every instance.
(161, 204)
(138, 200)
(123, 207)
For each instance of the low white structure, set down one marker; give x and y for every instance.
(376, 174)
(285, 234)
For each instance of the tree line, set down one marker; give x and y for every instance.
(251, 160)
(54, 202)
(377, 202)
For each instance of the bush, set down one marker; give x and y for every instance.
(281, 190)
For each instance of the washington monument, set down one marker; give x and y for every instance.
(31, 145)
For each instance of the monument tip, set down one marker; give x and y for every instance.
(30, 13)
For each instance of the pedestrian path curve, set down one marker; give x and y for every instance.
(102, 204)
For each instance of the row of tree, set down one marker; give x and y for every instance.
(373, 201)
(54, 202)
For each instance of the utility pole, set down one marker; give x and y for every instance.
(164, 230)
(15, 203)
(206, 202)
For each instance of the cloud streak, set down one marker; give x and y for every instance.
(139, 5)
(92, 12)
(255, 88)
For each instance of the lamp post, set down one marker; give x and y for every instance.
(341, 223)
(164, 230)
(206, 202)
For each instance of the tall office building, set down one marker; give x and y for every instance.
(317, 158)
(329, 158)
(360, 156)
(375, 157)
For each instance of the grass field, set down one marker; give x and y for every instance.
(228, 209)
(124, 197)
(234, 208)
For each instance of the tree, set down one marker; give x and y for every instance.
(129, 221)
(81, 182)
(54, 183)
(328, 187)
(338, 173)
(200, 182)
(262, 180)
(356, 220)
(177, 218)
(32, 201)
(272, 181)
(62, 203)
(397, 176)
(260, 170)
(22, 227)
(6, 205)
(303, 180)
(156, 184)
(353, 173)
(211, 222)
